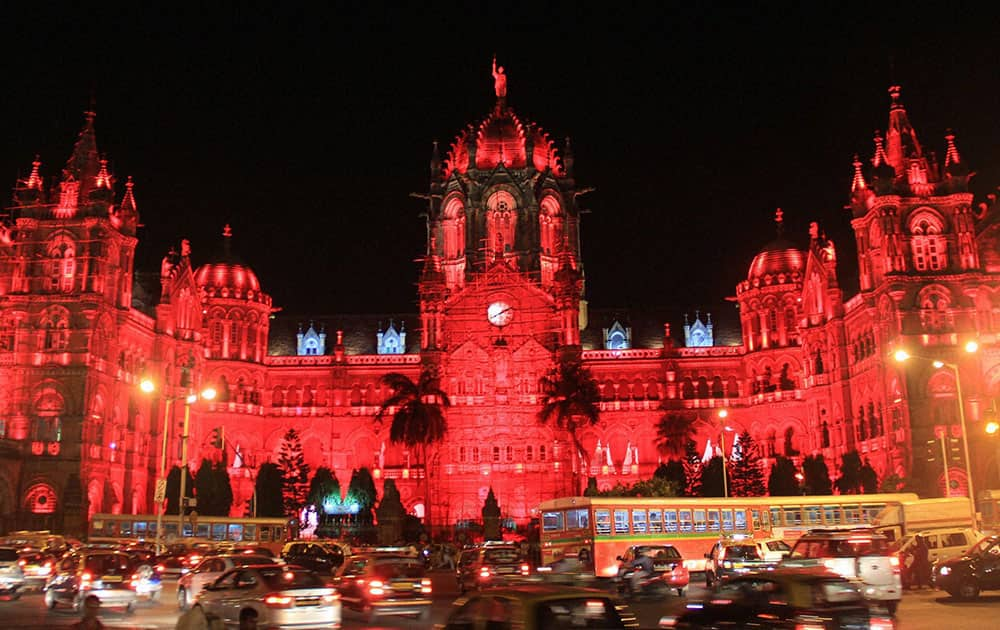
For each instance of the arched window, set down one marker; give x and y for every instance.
(40, 499)
(453, 228)
(501, 220)
(862, 426)
(551, 226)
(55, 327)
(529, 453)
(687, 389)
(541, 453)
(62, 265)
(717, 389)
(935, 306)
(825, 434)
(702, 387)
(927, 243)
(790, 450)
(874, 426)
(770, 443)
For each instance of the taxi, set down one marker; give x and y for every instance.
(383, 584)
(540, 607)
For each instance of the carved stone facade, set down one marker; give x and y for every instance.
(500, 297)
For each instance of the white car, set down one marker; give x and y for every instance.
(772, 549)
(209, 570)
(278, 596)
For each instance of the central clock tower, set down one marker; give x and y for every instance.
(500, 294)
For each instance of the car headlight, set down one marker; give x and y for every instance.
(945, 570)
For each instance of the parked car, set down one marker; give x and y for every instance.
(668, 565)
(729, 557)
(322, 557)
(942, 544)
(11, 576)
(978, 569)
(540, 607)
(786, 598)
(859, 554)
(490, 564)
(208, 570)
(385, 584)
(280, 595)
(106, 574)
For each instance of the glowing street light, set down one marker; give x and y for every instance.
(970, 347)
(723, 414)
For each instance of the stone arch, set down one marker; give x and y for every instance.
(501, 223)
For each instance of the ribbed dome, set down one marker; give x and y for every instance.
(779, 259)
(226, 275)
(501, 138)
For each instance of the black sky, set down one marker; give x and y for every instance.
(307, 127)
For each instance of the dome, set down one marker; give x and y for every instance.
(226, 275)
(500, 138)
(780, 260)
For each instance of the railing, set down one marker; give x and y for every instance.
(357, 359)
(605, 355)
(711, 351)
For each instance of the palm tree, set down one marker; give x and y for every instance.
(571, 400)
(417, 418)
(673, 431)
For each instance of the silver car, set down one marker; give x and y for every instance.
(11, 576)
(282, 597)
(208, 571)
(107, 574)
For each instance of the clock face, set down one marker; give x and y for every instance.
(499, 313)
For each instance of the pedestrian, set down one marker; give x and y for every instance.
(921, 567)
(248, 619)
(89, 621)
(193, 619)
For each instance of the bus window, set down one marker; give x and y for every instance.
(235, 532)
(713, 520)
(685, 520)
(670, 521)
(776, 517)
(699, 520)
(621, 521)
(578, 519)
(741, 520)
(813, 515)
(249, 532)
(765, 520)
(754, 518)
(265, 533)
(852, 514)
(203, 530)
(727, 520)
(218, 531)
(278, 533)
(186, 529)
(793, 515)
(552, 521)
(831, 514)
(139, 531)
(655, 521)
(638, 521)
(871, 510)
(169, 529)
(602, 519)
(125, 527)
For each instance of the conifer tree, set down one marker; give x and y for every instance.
(745, 473)
(324, 485)
(294, 472)
(711, 478)
(692, 470)
(782, 481)
(269, 487)
(213, 489)
(817, 475)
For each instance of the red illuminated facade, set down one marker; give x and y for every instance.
(501, 296)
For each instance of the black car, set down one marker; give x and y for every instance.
(490, 564)
(323, 558)
(782, 598)
(385, 584)
(978, 569)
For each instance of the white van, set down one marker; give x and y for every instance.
(944, 544)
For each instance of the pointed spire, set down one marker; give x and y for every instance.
(435, 161)
(128, 200)
(858, 183)
(880, 158)
(35, 179)
(952, 156)
(901, 139)
(84, 163)
(227, 244)
(103, 179)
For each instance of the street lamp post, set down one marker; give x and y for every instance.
(723, 414)
(970, 347)
(993, 430)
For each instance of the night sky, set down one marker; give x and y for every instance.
(307, 129)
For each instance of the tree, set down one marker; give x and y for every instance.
(782, 481)
(816, 475)
(849, 481)
(570, 400)
(269, 488)
(673, 432)
(418, 420)
(213, 489)
(692, 470)
(672, 472)
(324, 485)
(746, 475)
(294, 472)
(361, 491)
(591, 490)
(711, 478)
(868, 478)
(174, 488)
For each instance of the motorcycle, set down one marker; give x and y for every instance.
(650, 586)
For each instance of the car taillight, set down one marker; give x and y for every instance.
(484, 572)
(279, 601)
(329, 599)
(85, 580)
(425, 586)
(810, 626)
(376, 587)
(880, 623)
(525, 569)
(160, 568)
(894, 562)
(22, 562)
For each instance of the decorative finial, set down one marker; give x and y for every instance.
(227, 231)
(35, 179)
(779, 215)
(952, 156)
(103, 179)
(894, 91)
(880, 158)
(858, 183)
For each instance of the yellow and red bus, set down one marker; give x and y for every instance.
(607, 526)
(262, 531)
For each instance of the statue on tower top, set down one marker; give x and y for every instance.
(499, 80)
